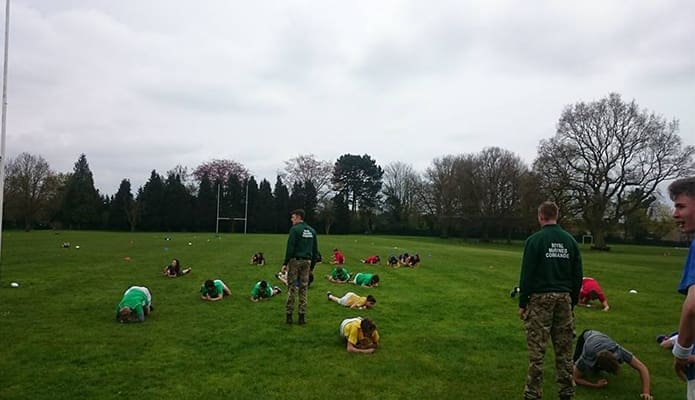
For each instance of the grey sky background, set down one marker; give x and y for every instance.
(149, 84)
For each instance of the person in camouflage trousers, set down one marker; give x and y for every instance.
(300, 258)
(551, 277)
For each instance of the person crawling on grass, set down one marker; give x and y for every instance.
(258, 259)
(338, 257)
(591, 290)
(174, 270)
(282, 275)
(393, 261)
(353, 300)
(667, 341)
(596, 352)
(413, 260)
(262, 291)
(214, 290)
(135, 305)
(339, 275)
(360, 335)
(372, 260)
(366, 280)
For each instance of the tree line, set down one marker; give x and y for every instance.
(603, 167)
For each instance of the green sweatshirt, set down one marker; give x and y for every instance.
(551, 263)
(302, 243)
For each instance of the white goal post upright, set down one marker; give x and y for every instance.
(246, 210)
(4, 119)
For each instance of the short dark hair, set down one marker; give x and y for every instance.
(375, 279)
(368, 326)
(298, 212)
(682, 186)
(263, 284)
(605, 361)
(371, 299)
(549, 210)
(209, 283)
(124, 314)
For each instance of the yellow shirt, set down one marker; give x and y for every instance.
(353, 334)
(355, 300)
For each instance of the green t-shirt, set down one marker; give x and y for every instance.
(258, 293)
(216, 292)
(363, 279)
(342, 276)
(135, 300)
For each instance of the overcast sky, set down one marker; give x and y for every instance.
(139, 85)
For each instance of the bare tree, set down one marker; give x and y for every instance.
(605, 150)
(496, 186)
(28, 187)
(401, 187)
(185, 177)
(446, 182)
(306, 168)
(219, 171)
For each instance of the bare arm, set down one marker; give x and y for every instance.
(643, 374)
(353, 349)
(579, 380)
(686, 330)
(208, 298)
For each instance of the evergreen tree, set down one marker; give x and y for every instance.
(297, 197)
(121, 204)
(310, 201)
(233, 201)
(205, 206)
(282, 207)
(177, 205)
(81, 203)
(265, 217)
(341, 215)
(252, 202)
(151, 198)
(359, 180)
(304, 196)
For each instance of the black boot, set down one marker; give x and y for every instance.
(289, 319)
(301, 319)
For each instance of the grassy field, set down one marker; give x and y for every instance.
(449, 328)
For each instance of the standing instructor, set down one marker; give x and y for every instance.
(551, 276)
(300, 258)
(682, 192)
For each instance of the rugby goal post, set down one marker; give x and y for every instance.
(246, 211)
(589, 238)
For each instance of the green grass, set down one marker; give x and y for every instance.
(449, 329)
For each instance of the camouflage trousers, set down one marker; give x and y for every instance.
(297, 281)
(549, 316)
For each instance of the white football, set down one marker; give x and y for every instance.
(633, 291)
(14, 284)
